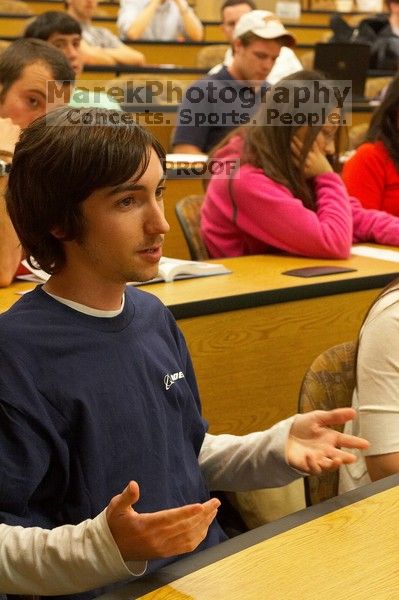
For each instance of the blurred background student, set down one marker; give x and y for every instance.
(159, 20)
(284, 195)
(99, 45)
(65, 33)
(372, 173)
(231, 12)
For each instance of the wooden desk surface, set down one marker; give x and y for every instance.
(206, 11)
(254, 281)
(174, 53)
(260, 280)
(253, 334)
(345, 548)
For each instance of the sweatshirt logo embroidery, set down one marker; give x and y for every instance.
(171, 378)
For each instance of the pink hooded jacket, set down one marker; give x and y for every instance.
(266, 217)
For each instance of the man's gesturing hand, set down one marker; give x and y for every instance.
(313, 447)
(143, 536)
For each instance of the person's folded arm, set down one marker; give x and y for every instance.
(125, 55)
(270, 213)
(134, 19)
(95, 55)
(371, 225)
(191, 23)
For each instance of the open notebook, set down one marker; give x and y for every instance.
(169, 270)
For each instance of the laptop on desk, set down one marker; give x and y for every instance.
(340, 61)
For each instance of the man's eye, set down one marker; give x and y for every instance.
(33, 102)
(159, 192)
(128, 201)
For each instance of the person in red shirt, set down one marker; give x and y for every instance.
(372, 173)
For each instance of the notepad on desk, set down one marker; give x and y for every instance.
(169, 270)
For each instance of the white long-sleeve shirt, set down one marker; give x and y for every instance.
(75, 558)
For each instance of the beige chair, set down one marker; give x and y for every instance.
(212, 55)
(357, 135)
(188, 212)
(375, 85)
(328, 384)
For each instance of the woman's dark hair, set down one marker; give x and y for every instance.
(268, 145)
(384, 122)
(24, 52)
(59, 161)
(44, 25)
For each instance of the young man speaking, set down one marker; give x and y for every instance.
(84, 407)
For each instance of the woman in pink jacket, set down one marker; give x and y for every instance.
(278, 191)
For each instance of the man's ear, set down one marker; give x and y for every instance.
(236, 45)
(58, 232)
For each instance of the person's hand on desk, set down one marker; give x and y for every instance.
(312, 447)
(143, 536)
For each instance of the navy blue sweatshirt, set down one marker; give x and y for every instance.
(89, 403)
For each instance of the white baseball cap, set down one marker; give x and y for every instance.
(264, 24)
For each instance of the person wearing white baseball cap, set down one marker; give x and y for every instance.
(216, 104)
(264, 24)
(231, 11)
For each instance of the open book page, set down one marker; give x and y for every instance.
(172, 268)
(380, 253)
(35, 275)
(176, 268)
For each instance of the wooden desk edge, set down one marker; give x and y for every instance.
(195, 562)
(252, 299)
